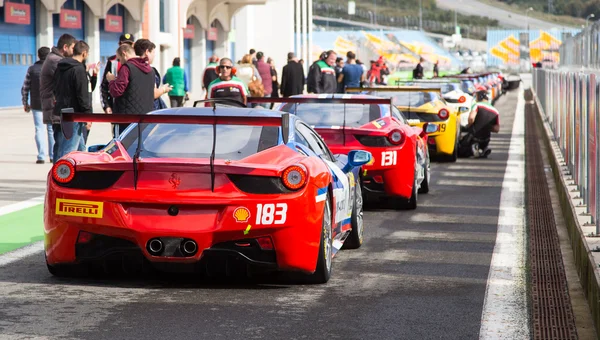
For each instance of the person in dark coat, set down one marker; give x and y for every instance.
(418, 70)
(274, 78)
(292, 77)
(32, 85)
(63, 49)
(73, 90)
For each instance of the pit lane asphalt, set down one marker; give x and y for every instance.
(420, 275)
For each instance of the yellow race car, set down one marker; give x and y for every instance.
(421, 105)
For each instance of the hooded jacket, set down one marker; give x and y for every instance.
(133, 90)
(47, 85)
(73, 88)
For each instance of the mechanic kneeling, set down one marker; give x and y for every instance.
(483, 120)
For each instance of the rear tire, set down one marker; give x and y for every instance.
(355, 239)
(324, 259)
(412, 202)
(427, 174)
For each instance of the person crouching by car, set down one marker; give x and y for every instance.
(227, 85)
(483, 120)
(133, 88)
(72, 89)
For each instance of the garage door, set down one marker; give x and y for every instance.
(109, 34)
(18, 49)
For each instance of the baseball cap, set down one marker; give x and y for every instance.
(126, 38)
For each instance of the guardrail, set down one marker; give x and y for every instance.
(569, 100)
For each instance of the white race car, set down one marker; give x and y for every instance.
(459, 100)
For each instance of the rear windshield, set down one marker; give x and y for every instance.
(449, 87)
(325, 115)
(233, 142)
(413, 99)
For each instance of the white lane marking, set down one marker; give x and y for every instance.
(479, 167)
(7, 209)
(21, 253)
(504, 314)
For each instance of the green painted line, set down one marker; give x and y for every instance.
(21, 228)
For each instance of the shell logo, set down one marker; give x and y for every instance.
(241, 214)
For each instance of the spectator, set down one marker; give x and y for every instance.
(248, 74)
(321, 75)
(275, 84)
(210, 72)
(339, 65)
(72, 90)
(144, 48)
(292, 77)
(265, 73)
(227, 85)
(252, 53)
(64, 49)
(32, 85)
(112, 66)
(352, 73)
(436, 72)
(418, 70)
(177, 78)
(133, 88)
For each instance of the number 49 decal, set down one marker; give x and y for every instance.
(388, 158)
(271, 213)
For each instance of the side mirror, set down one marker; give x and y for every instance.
(431, 128)
(463, 109)
(96, 148)
(357, 158)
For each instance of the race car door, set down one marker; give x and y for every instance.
(342, 203)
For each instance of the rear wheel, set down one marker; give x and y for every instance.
(324, 259)
(355, 239)
(412, 202)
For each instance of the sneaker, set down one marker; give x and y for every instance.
(486, 153)
(475, 149)
(40, 161)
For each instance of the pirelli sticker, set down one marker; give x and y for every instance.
(79, 208)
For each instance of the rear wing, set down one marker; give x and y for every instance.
(208, 117)
(317, 100)
(393, 89)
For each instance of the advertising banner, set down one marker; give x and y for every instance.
(212, 34)
(113, 23)
(70, 18)
(189, 32)
(17, 13)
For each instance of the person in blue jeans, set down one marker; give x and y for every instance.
(352, 74)
(31, 84)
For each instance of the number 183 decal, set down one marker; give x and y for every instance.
(271, 213)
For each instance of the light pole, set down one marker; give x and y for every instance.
(375, 14)
(527, 16)
(420, 15)
(370, 16)
(588, 18)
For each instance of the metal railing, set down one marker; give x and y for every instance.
(569, 99)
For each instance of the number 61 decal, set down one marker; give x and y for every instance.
(271, 213)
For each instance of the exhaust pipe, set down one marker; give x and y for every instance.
(189, 247)
(155, 246)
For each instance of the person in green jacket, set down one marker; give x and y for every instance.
(176, 77)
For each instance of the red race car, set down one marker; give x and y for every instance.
(197, 187)
(400, 167)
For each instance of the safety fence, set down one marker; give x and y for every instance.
(582, 49)
(569, 101)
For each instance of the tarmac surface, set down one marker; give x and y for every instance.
(419, 275)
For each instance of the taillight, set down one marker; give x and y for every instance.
(84, 237)
(63, 171)
(443, 114)
(462, 99)
(396, 137)
(294, 177)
